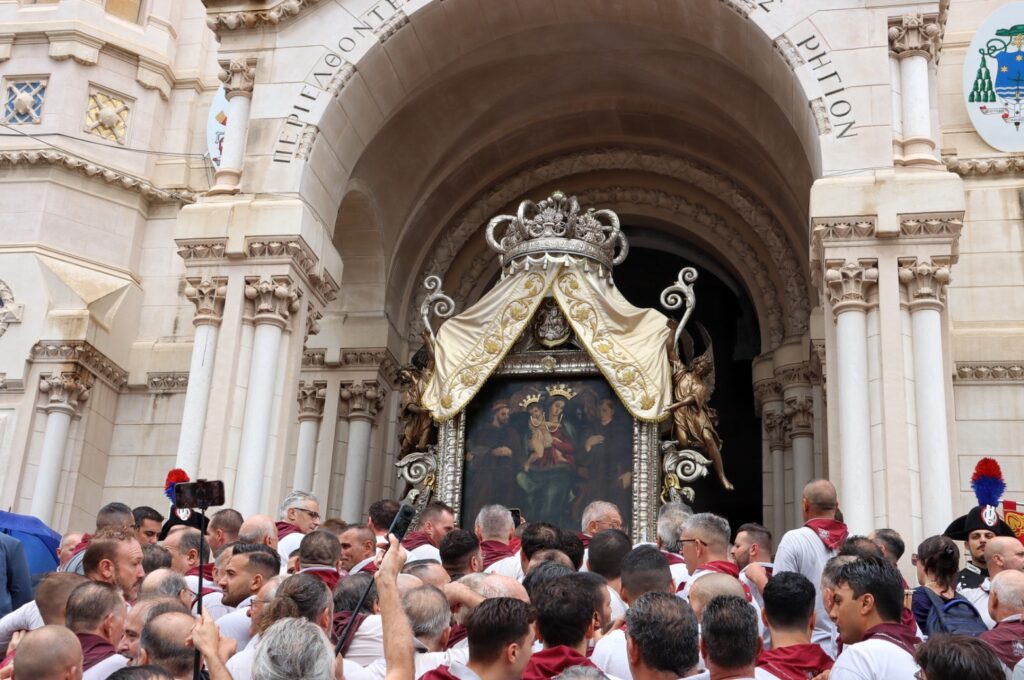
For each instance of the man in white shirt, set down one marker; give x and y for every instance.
(753, 543)
(298, 515)
(251, 565)
(661, 638)
(1002, 553)
(867, 604)
(643, 570)
(705, 545)
(501, 638)
(499, 547)
(436, 520)
(358, 549)
(604, 557)
(730, 641)
(96, 614)
(807, 549)
(671, 518)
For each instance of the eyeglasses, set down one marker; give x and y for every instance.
(312, 514)
(692, 540)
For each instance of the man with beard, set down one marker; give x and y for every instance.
(497, 452)
(115, 557)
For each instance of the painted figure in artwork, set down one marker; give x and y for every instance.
(549, 473)
(692, 419)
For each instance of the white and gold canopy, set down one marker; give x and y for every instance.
(551, 249)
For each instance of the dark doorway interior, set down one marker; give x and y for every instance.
(724, 309)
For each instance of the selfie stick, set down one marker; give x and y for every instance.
(201, 502)
(398, 527)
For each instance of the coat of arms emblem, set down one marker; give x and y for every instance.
(994, 79)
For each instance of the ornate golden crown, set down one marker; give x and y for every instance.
(531, 399)
(554, 230)
(561, 390)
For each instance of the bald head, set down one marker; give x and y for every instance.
(710, 586)
(506, 586)
(1004, 553)
(259, 529)
(49, 653)
(820, 499)
(163, 642)
(1006, 597)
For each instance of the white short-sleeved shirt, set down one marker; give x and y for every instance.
(874, 660)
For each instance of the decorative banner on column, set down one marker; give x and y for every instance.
(1014, 518)
(216, 124)
(994, 79)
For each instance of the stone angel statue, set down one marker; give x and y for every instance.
(693, 382)
(418, 429)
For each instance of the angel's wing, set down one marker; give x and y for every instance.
(709, 356)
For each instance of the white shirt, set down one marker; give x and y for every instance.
(979, 598)
(610, 655)
(801, 550)
(213, 604)
(240, 665)
(236, 624)
(1018, 670)
(368, 642)
(619, 606)
(680, 574)
(25, 617)
(424, 552)
(508, 566)
(286, 546)
(873, 659)
(105, 668)
(424, 662)
(362, 565)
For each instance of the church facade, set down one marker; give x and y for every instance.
(218, 217)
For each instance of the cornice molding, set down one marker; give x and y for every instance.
(272, 16)
(82, 353)
(166, 383)
(989, 372)
(992, 166)
(91, 169)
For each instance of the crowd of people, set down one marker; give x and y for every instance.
(297, 598)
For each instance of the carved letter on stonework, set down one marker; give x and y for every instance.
(274, 299)
(361, 399)
(64, 391)
(925, 281)
(238, 76)
(848, 283)
(208, 297)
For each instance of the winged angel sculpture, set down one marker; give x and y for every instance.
(693, 383)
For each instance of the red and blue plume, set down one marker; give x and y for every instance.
(987, 482)
(175, 476)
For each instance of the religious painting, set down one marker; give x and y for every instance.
(548, 447)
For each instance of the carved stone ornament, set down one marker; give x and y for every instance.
(555, 230)
(313, 316)
(848, 283)
(361, 399)
(970, 371)
(799, 414)
(10, 311)
(795, 375)
(65, 392)
(915, 35)
(925, 282)
(269, 16)
(992, 166)
(23, 101)
(210, 249)
(166, 383)
(208, 297)
(82, 353)
(679, 467)
(766, 391)
(238, 76)
(274, 299)
(776, 426)
(107, 114)
(311, 397)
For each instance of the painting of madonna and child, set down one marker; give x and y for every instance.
(548, 447)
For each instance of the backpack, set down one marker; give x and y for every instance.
(958, 616)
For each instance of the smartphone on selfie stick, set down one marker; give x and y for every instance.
(199, 495)
(399, 527)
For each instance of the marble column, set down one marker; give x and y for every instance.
(311, 398)
(360, 402)
(799, 412)
(914, 40)
(925, 283)
(208, 297)
(775, 428)
(239, 77)
(65, 393)
(847, 284)
(275, 299)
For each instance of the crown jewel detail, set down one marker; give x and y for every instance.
(556, 229)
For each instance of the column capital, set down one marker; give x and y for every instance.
(766, 391)
(311, 396)
(776, 427)
(848, 283)
(925, 282)
(361, 399)
(65, 392)
(913, 35)
(799, 413)
(207, 294)
(238, 75)
(274, 299)
(794, 376)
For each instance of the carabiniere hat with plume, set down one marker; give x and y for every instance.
(988, 486)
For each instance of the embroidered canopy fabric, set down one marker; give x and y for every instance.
(626, 343)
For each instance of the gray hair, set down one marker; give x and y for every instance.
(671, 519)
(1006, 586)
(163, 582)
(428, 611)
(293, 648)
(494, 521)
(581, 673)
(713, 528)
(596, 511)
(294, 500)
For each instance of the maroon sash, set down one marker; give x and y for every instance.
(286, 529)
(458, 634)
(796, 662)
(495, 551)
(1006, 640)
(82, 545)
(585, 540)
(94, 649)
(896, 633)
(328, 575)
(673, 558)
(338, 627)
(415, 539)
(439, 673)
(550, 662)
(831, 532)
